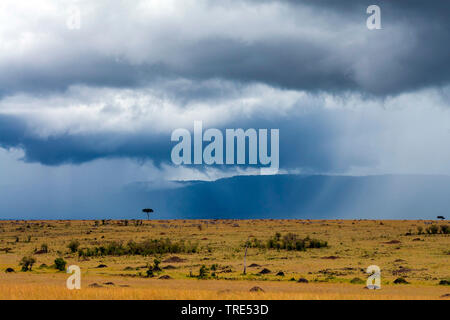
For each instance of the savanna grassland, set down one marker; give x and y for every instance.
(204, 259)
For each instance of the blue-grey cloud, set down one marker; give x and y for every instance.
(79, 148)
(307, 141)
(409, 53)
(317, 133)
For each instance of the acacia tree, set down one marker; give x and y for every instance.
(27, 263)
(147, 211)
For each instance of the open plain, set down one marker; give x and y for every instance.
(204, 259)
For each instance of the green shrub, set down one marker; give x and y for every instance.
(73, 245)
(27, 263)
(254, 243)
(314, 243)
(433, 229)
(400, 281)
(445, 229)
(357, 281)
(149, 272)
(292, 242)
(444, 282)
(145, 248)
(203, 272)
(419, 230)
(60, 264)
(156, 266)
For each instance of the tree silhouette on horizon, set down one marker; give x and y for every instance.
(147, 211)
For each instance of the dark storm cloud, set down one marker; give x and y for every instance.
(410, 52)
(300, 65)
(81, 70)
(79, 148)
(406, 9)
(308, 141)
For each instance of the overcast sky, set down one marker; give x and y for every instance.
(84, 110)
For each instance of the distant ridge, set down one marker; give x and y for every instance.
(251, 197)
(304, 196)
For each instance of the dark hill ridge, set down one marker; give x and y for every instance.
(301, 196)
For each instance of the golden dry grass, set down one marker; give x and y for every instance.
(356, 244)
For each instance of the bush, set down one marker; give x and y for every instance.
(156, 266)
(313, 243)
(357, 281)
(445, 229)
(254, 243)
(433, 229)
(145, 248)
(27, 263)
(153, 269)
(203, 272)
(400, 281)
(419, 230)
(73, 245)
(444, 282)
(60, 264)
(290, 242)
(150, 272)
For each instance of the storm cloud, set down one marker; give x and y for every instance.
(302, 45)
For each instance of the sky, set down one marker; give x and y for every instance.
(86, 112)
